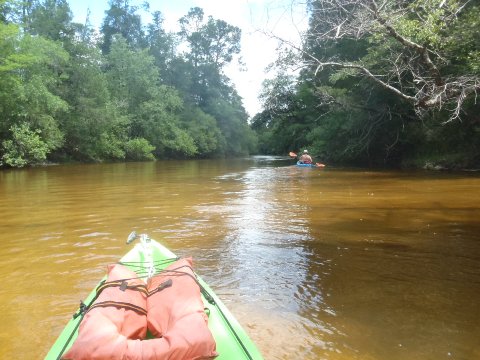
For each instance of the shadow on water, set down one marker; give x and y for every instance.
(315, 263)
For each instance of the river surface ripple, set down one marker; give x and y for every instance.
(315, 263)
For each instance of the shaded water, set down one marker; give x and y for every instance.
(315, 264)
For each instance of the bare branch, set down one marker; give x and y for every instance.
(413, 69)
(371, 76)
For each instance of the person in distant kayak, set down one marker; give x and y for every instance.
(305, 158)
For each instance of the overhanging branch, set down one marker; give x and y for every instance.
(371, 76)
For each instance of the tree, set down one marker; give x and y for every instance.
(122, 18)
(64, 95)
(215, 42)
(30, 74)
(410, 50)
(369, 72)
(342, 122)
(51, 19)
(212, 45)
(278, 125)
(152, 108)
(17, 12)
(95, 129)
(232, 121)
(11, 65)
(203, 129)
(161, 45)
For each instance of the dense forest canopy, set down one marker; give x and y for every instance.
(126, 92)
(382, 83)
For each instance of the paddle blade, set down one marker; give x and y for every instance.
(132, 237)
(292, 154)
(320, 165)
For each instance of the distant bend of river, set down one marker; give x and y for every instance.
(327, 263)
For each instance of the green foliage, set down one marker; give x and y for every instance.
(38, 101)
(11, 62)
(133, 80)
(342, 74)
(203, 129)
(345, 118)
(162, 46)
(122, 19)
(462, 43)
(160, 126)
(25, 147)
(139, 149)
(110, 147)
(212, 42)
(239, 138)
(51, 19)
(93, 115)
(131, 74)
(29, 79)
(68, 94)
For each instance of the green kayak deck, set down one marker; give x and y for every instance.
(231, 339)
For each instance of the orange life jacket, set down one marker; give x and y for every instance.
(115, 326)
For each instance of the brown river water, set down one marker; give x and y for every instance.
(315, 264)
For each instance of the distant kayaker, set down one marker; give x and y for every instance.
(305, 158)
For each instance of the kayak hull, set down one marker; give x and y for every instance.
(299, 164)
(232, 342)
